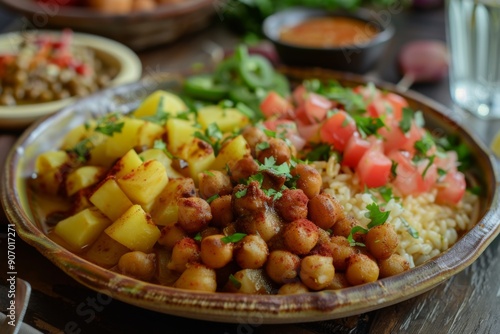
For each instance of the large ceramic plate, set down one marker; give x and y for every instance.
(229, 307)
(112, 53)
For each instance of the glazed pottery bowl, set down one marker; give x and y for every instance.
(231, 307)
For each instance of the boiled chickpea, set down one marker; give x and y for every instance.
(292, 205)
(266, 224)
(138, 264)
(341, 250)
(214, 182)
(344, 226)
(339, 282)
(301, 236)
(216, 253)
(277, 148)
(292, 288)
(324, 211)
(251, 252)
(194, 214)
(249, 281)
(395, 264)
(185, 251)
(309, 180)
(222, 213)
(249, 199)
(242, 169)
(381, 241)
(282, 266)
(197, 277)
(170, 235)
(317, 271)
(361, 269)
(253, 135)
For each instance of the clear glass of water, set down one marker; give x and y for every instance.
(473, 35)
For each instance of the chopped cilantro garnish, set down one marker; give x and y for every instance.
(394, 166)
(81, 149)
(241, 193)
(109, 124)
(376, 216)
(259, 177)
(212, 135)
(405, 123)
(441, 172)
(385, 193)
(354, 230)
(234, 281)
(476, 190)
(161, 145)
(273, 193)
(211, 198)
(262, 146)
(368, 125)
(410, 229)
(233, 237)
(425, 144)
(429, 164)
(321, 152)
(197, 237)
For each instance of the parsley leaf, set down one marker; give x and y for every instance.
(429, 164)
(385, 193)
(394, 166)
(197, 237)
(241, 193)
(160, 144)
(321, 152)
(262, 146)
(108, 125)
(212, 135)
(81, 149)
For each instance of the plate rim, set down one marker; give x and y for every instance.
(127, 59)
(231, 307)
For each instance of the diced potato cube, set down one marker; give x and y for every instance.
(82, 228)
(130, 161)
(227, 120)
(50, 160)
(76, 135)
(83, 177)
(110, 199)
(105, 251)
(233, 151)
(121, 142)
(180, 133)
(170, 104)
(159, 155)
(199, 155)
(50, 182)
(135, 230)
(165, 209)
(144, 183)
(148, 133)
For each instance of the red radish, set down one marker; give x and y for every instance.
(424, 61)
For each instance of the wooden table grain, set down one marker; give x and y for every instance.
(469, 302)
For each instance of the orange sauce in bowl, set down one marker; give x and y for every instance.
(326, 32)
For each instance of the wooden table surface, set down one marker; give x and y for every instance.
(467, 303)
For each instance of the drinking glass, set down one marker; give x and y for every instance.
(473, 36)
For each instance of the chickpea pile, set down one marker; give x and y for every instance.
(266, 230)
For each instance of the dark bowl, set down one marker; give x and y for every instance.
(138, 30)
(357, 58)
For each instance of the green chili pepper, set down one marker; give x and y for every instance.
(204, 87)
(256, 71)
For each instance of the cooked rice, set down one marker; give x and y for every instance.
(438, 226)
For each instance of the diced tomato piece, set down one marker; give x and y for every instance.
(395, 139)
(397, 102)
(410, 178)
(369, 93)
(275, 105)
(355, 148)
(316, 107)
(451, 189)
(338, 129)
(447, 161)
(310, 132)
(374, 168)
(300, 94)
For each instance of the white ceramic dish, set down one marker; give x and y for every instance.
(116, 54)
